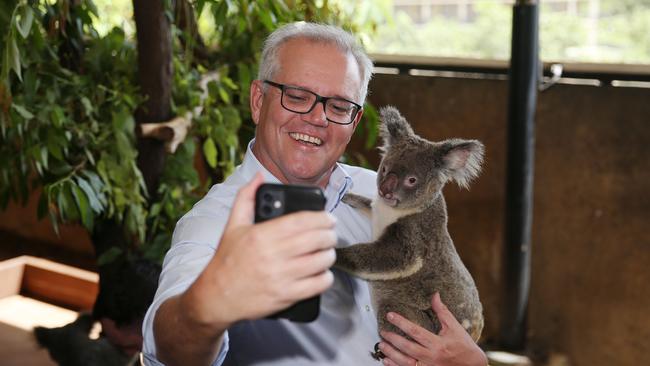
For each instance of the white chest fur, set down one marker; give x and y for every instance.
(384, 215)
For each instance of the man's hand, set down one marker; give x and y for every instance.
(263, 268)
(451, 347)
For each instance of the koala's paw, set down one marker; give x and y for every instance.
(356, 201)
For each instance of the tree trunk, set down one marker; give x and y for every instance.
(155, 73)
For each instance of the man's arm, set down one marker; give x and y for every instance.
(258, 269)
(181, 339)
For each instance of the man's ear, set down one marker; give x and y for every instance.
(357, 119)
(256, 99)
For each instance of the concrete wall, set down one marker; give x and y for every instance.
(590, 291)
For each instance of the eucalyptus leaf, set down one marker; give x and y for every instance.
(109, 256)
(268, 19)
(44, 156)
(210, 152)
(26, 19)
(82, 204)
(223, 93)
(57, 116)
(88, 107)
(95, 204)
(14, 58)
(22, 111)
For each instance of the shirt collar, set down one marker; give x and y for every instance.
(339, 183)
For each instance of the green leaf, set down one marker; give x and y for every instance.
(109, 256)
(155, 209)
(44, 156)
(95, 180)
(57, 116)
(90, 156)
(62, 204)
(95, 204)
(224, 95)
(84, 208)
(54, 220)
(22, 111)
(267, 19)
(231, 119)
(244, 76)
(92, 8)
(14, 58)
(219, 12)
(26, 19)
(88, 107)
(210, 152)
(229, 83)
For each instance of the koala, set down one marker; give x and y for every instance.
(412, 255)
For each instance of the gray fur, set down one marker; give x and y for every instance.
(413, 255)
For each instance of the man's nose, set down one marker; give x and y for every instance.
(317, 115)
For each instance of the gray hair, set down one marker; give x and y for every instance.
(344, 41)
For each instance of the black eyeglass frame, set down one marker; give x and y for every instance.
(319, 99)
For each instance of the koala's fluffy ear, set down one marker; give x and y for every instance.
(462, 160)
(393, 126)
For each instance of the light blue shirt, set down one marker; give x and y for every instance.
(345, 331)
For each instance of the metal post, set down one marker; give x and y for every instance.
(523, 83)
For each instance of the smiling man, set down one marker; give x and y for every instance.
(301, 135)
(223, 274)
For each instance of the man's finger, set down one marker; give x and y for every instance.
(306, 242)
(297, 222)
(311, 286)
(419, 334)
(311, 264)
(444, 315)
(413, 349)
(394, 355)
(243, 208)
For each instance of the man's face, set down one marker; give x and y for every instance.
(280, 134)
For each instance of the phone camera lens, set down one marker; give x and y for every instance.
(266, 210)
(267, 197)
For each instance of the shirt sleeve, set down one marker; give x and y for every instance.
(193, 245)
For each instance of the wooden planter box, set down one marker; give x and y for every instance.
(35, 291)
(47, 281)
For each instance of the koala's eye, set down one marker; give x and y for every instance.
(410, 181)
(383, 169)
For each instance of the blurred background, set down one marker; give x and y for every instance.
(117, 116)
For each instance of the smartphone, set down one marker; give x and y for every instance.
(273, 200)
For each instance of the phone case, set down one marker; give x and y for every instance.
(273, 200)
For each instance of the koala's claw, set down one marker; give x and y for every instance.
(377, 354)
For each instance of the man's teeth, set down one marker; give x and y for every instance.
(302, 137)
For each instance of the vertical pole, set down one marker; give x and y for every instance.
(154, 35)
(522, 101)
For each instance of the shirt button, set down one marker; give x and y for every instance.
(367, 307)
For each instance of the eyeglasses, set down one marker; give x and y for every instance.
(302, 101)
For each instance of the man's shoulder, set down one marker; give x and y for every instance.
(363, 179)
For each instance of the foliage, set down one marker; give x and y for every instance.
(619, 32)
(68, 96)
(71, 133)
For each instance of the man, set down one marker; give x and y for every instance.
(220, 279)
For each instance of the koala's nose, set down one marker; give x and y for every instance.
(388, 185)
